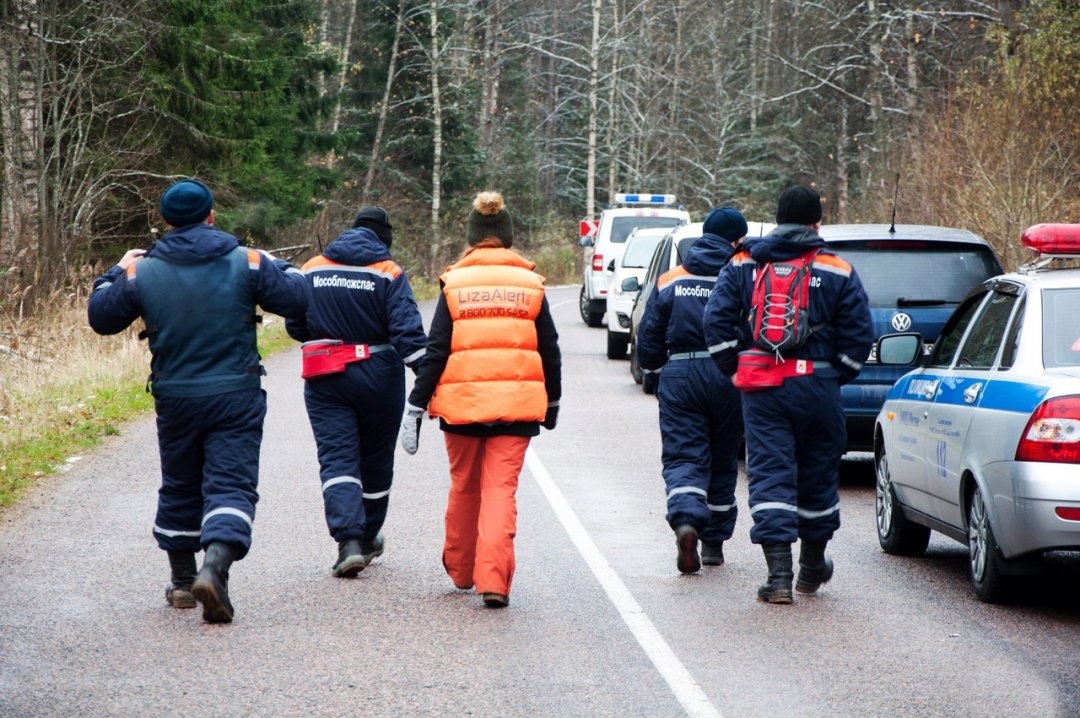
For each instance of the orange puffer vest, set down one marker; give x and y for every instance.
(494, 372)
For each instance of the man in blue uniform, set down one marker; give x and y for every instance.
(700, 417)
(197, 289)
(795, 432)
(362, 328)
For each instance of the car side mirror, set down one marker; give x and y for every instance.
(611, 266)
(631, 284)
(899, 349)
(585, 241)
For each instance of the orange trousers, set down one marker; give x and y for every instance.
(481, 511)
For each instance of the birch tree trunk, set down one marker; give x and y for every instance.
(878, 71)
(436, 164)
(324, 39)
(673, 116)
(23, 145)
(9, 132)
(380, 127)
(756, 58)
(490, 68)
(346, 47)
(554, 96)
(613, 114)
(594, 78)
(912, 65)
(842, 180)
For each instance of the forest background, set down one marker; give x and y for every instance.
(298, 112)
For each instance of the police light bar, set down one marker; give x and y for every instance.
(621, 198)
(1059, 240)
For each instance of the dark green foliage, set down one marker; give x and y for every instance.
(236, 83)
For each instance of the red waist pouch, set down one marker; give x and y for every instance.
(329, 356)
(760, 369)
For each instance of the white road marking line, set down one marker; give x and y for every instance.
(682, 684)
(553, 307)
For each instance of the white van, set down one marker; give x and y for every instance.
(605, 247)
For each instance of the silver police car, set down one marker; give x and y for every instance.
(981, 442)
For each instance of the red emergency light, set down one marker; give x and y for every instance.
(1053, 239)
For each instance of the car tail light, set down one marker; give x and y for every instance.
(1053, 432)
(1069, 513)
(598, 262)
(894, 244)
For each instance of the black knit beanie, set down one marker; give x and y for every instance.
(378, 221)
(798, 204)
(489, 218)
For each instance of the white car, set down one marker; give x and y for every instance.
(604, 248)
(982, 441)
(640, 247)
(669, 254)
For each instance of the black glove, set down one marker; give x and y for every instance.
(552, 416)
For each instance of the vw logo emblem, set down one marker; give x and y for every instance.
(901, 322)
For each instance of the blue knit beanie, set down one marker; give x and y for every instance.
(726, 222)
(187, 202)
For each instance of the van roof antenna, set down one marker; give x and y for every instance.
(896, 189)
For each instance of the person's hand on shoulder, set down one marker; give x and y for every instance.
(130, 257)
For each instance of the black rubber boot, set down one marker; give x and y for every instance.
(211, 587)
(686, 539)
(778, 587)
(815, 568)
(372, 549)
(496, 600)
(178, 591)
(350, 560)
(712, 554)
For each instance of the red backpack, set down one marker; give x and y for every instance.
(779, 317)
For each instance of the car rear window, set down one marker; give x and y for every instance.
(683, 247)
(1061, 331)
(640, 251)
(621, 227)
(918, 273)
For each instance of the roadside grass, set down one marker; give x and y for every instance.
(64, 388)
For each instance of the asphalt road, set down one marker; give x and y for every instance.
(600, 621)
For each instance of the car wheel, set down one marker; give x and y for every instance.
(591, 318)
(896, 534)
(635, 368)
(616, 345)
(650, 383)
(987, 564)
